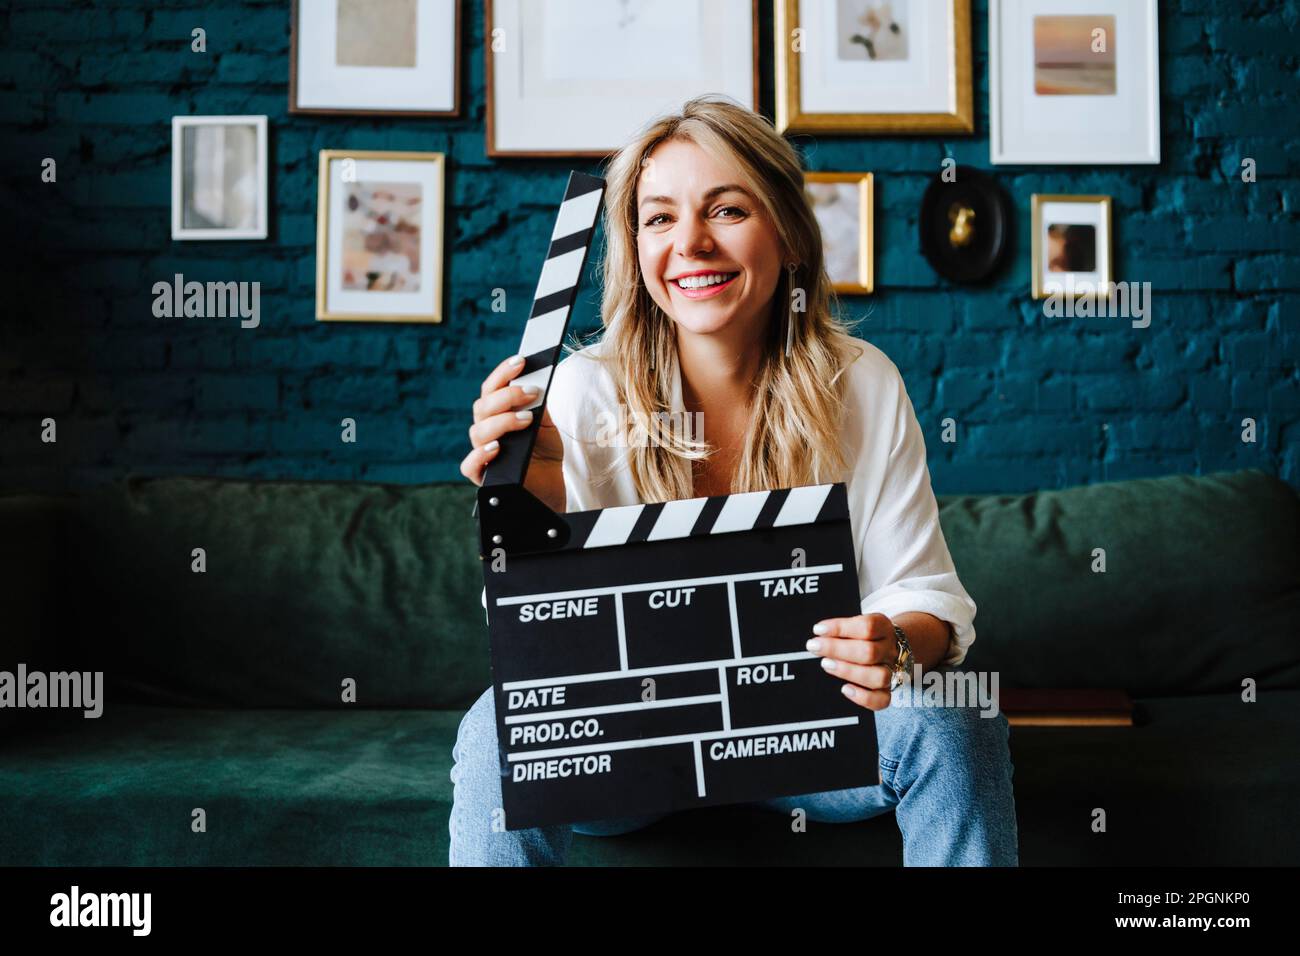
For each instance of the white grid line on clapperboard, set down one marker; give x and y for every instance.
(656, 669)
(701, 736)
(676, 583)
(722, 698)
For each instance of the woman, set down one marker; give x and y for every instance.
(716, 304)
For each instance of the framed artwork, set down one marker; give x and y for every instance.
(219, 177)
(376, 57)
(1072, 245)
(1074, 81)
(873, 66)
(844, 204)
(379, 236)
(577, 78)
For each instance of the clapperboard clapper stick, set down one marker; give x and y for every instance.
(650, 658)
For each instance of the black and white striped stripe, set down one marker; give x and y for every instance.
(557, 289)
(694, 517)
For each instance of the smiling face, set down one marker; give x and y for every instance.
(709, 255)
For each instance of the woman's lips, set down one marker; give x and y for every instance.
(706, 292)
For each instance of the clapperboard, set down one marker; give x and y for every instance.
(651, 658)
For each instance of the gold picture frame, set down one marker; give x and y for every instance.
(792, 118)
(435, 211)
(1104, 245)
(865, 283)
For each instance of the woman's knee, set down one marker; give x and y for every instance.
(954, 729)
(480, 718)
(475, 755)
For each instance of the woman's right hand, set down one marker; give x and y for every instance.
(498, 410)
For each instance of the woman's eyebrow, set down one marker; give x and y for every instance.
(715, 191)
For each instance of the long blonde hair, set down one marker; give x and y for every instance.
(793, 437)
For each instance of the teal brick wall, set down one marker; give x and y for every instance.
(1039, 402)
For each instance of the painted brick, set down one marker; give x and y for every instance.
(1039, 401)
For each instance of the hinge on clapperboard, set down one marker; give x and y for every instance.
(510, 518)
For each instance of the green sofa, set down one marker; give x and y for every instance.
(223, 688)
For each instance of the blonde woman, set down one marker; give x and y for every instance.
(717, 307)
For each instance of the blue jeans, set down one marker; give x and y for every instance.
(945, 772)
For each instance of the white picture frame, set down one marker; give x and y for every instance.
(219, 172)
(594, 73)
(1107, 112)
(413, 70)
(371, 265)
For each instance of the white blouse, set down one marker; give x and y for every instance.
(903, 559)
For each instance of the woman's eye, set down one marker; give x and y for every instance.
(740, 214)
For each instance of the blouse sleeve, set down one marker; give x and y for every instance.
(905, 557)
(564, 403)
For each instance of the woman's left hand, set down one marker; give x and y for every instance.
(862, 651)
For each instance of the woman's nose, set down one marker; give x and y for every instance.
(692, 238)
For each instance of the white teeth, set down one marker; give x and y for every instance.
(704, 281)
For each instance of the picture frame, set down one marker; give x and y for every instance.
(1072, 245)
(844, 203)
(342, 63)
(879, 79)
(1074, 82)
(219, 177)
(379, 236)
(588, 61)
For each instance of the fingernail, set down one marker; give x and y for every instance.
(849, 690)
(813, 645)
(516, 360)
(524, 416)
(530, 390)
(492, 445)
(820, 628)
(828, 664)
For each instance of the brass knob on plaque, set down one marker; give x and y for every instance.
(963, 225)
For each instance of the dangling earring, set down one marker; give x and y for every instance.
(789, 312)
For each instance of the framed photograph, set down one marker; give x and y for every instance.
(844, 204)
(379, 236)
(219, 177)
(873, 66)
(1072, 245)
(377, 57)
(1074, 81)
(577, 78)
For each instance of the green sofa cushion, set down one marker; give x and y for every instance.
(307, 584)
(1203, 780)
(1201, 587)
